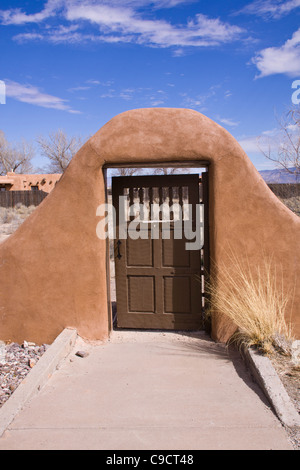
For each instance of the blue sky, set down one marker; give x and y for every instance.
(73, 64)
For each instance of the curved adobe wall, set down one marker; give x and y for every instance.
(53, 269)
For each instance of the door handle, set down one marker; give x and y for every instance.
(119, 243)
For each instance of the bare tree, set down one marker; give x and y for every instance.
(15, 158)
(170, 171)
(59, 149)
(283, 148)
(125, 171)
(142, 171)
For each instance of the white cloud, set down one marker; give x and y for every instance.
(280, 60)
(121, 21)
(144, 96)
(24, 37)
(58, 35)
(32, 95)
(271, 8)
(79, 88)
(198, 101)
(157, 103)
(155, 3)
(55, 35)
(139, 4)
(88, 84)
(125, 24)
(109, 94)
(265, 142)
(249, 144)
(17, 17)
(228, 122)
(192, 102)
(227, 94)
(92, 81)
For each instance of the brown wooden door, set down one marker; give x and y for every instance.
(158, 281)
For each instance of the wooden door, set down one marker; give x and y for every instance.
(158, 281)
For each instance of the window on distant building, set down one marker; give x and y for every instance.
(34, 188)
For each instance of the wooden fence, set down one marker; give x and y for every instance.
(26, 198)
(34, 198)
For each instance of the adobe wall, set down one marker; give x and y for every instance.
(53, 269)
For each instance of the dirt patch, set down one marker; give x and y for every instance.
(289, 375)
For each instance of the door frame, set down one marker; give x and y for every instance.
(197, 164)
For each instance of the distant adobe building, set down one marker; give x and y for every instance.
(19, 182)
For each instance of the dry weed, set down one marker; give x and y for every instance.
(12, 218)
(254, 299)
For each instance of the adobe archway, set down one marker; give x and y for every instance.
(53, 269)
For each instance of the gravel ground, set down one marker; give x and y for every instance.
(16, 361)
(289, 374)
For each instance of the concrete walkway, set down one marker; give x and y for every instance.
(148, 391)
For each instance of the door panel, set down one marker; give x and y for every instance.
(174, 253)
(141, 294)
(139, 252)
(157, 279)
(177, 294)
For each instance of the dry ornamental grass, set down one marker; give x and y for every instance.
(254, 299)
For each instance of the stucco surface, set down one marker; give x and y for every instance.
(53, 269)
